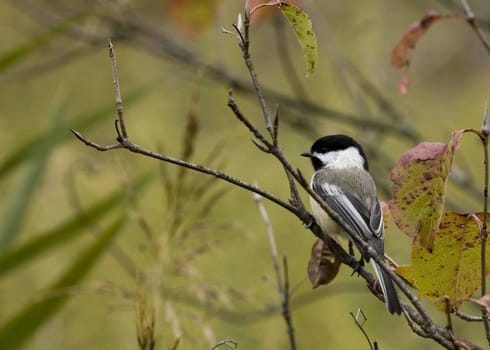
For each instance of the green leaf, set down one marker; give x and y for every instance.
(16, 332)
(303, 28)
(47, 241)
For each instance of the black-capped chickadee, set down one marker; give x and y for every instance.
(343, 181)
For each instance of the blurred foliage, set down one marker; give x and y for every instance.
(85, 238)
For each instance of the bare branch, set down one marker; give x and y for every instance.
(470, 18)
(95, 145)
(227, 342)
(244, 45)
(469, 318)
(117, 90)
(360, 325)
(282, 286)
(484, 233)
(233, 106)
(449, 322)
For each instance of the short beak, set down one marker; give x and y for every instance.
(307, 154)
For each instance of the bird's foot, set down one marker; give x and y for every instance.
(358, 266)
(310, 223)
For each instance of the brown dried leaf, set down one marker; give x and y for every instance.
(323, 265)
(483, 301)
(462, 344)
(403, 51)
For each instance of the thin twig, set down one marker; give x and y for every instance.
(245, 45)
(484, 234)
(95, 145)
(286, 307)
(272, 243)
(117, 91)
(414, 329)
(483, 134)
(449, 322)
(233, 106)
(470, 18)
(372, 345)
(282, 286)
(227, 342)
(469, 318)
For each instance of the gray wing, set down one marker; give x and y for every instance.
(366, 222)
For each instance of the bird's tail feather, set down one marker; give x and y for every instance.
(391, 296)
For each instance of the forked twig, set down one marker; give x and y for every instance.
(360, 325)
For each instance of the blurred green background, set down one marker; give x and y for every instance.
(88, 240)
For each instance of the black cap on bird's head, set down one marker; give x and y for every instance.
(331, 144)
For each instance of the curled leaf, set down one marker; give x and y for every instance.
(323, 265)
(482, 301)
(303, 28)
(403, 52)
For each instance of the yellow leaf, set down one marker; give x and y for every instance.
(452, 269)
(419, 188)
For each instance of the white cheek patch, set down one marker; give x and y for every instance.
(346, 158)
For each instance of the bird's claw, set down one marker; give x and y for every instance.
(358, 266)
(310, 223)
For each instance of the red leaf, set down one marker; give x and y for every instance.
(403, 84)
(482, 301)
(403, 51)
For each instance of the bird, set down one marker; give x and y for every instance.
(342, 180)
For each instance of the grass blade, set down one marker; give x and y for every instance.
(20, 198)
(45, 242)
(17, 331)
